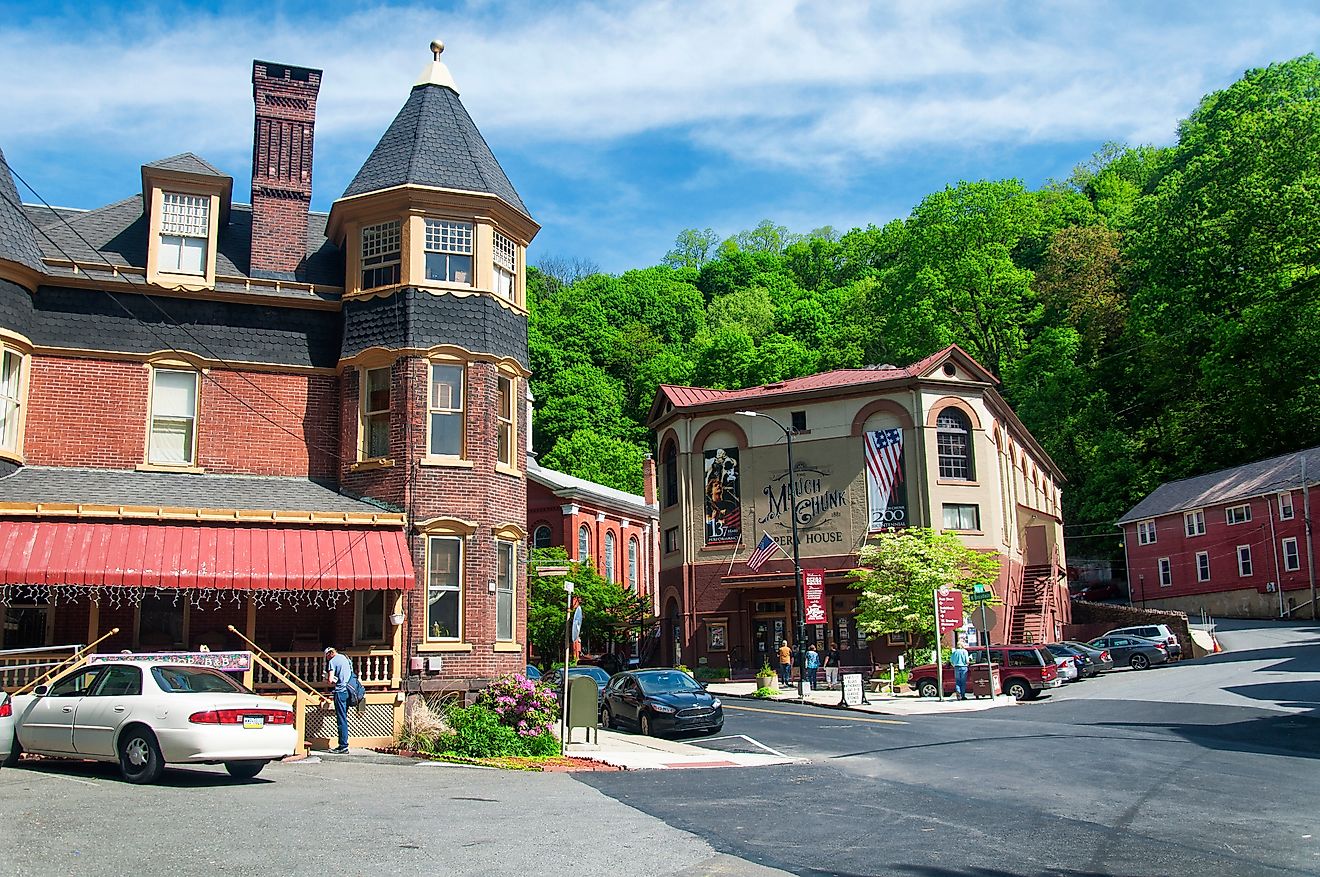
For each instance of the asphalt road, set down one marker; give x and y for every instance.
(1203, 768)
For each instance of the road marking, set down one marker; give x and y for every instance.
(757, 709)
(59, 776)
(751, 741)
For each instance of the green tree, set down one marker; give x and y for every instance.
(595, 457)
(692, 248)
(610, 612)
(901, 571)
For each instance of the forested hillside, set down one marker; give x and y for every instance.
(1153, 316)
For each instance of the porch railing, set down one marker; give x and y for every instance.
(374, 667)
(16, 671)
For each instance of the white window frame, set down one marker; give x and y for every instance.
(506, 429)
(380, 249)
(431, 542)
(449, 238)
(506, 584)
(185, 227)
(1165, 571)
(1245, 569)
(634, 552)
(455, 408)
(1194, 523)
(505, 259)
(1286, 506)
(368, 414)
(190, 451)
(1229, 515)
(1296, 564)
(13, 372)
(583, 543)
(1146, 532)
(1203, 566)
(360, 615)
(960, 508)
(549, 536)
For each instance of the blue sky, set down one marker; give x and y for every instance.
(622, 123)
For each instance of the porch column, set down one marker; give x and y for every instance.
(93, 621)
(250, 631)
(396, 642)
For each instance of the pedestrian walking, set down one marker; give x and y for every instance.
(577, 628)
(813, 665)
(832, 658)
(785, 664)
(339, 673)
(959, 660)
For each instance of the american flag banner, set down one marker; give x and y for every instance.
(884, 479)
(762, 552)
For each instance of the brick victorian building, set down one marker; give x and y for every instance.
(312, 427)
(1237, 542)
(930, 445)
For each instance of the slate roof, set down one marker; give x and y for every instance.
(417, 318)
(565, 485)
(117, 233)
(18, 242)
(188, 163)
(433, 142)
(171, 489)
(1262, 478)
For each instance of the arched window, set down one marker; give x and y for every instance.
(584, 543)
(609, 556)
(953, 440)
(541, 537)
(632, 564)
(669, 460)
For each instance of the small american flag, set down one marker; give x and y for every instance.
(764, 549)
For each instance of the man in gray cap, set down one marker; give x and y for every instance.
(338, 672)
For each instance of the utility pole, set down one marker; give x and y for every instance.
(1310, 540)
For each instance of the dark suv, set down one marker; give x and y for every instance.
(1026, 670)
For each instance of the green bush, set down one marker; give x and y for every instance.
(765, 692)
(477, 732)
(707, 673)
(542, 745)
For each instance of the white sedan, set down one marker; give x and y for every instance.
(6, 730)
(144, 715)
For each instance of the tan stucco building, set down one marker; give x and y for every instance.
(932, 444)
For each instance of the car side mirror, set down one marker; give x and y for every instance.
(41, 691)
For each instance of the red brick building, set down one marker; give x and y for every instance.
(931, 445)
(310, 426)
(1232, 543)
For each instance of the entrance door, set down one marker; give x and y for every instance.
(1038, 547)
(769, 629)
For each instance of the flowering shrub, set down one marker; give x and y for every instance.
(528, 706)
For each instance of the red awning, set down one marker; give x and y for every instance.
(224, 557)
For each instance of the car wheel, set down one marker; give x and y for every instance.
(928, 688)
(1140, 662)
(244, 770)
(607, 719)
(139, 756)
(15, 751)
(644, 723)
(1018, 688)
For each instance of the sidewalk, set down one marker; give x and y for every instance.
(882, 704)
(634, 752)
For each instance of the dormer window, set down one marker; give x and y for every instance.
(381, 245)
(506, 267)
(449, 251)
(185, 228)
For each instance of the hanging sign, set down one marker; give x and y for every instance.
(949, 606)
(813, 596)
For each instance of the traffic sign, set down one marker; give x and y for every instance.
(981, 592)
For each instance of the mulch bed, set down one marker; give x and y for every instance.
(547, 764)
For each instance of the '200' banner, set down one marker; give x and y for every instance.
(813, 596)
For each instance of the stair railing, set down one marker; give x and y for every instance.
(77, 659)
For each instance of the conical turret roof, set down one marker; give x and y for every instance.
(18, 240)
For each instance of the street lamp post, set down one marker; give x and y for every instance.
(797, 563)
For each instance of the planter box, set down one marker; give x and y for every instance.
(767, 682)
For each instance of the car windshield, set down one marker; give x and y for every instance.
(596, 673)
(667, 683)
(195, 680)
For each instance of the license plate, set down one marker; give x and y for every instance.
(254, 721)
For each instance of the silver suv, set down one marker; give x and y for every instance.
(1157, 632)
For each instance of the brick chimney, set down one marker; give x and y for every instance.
(285, 99)
(648, 479)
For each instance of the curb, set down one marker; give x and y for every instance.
(832, 706)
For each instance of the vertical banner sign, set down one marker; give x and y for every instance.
(949, 606)
(886, 493)
(813, 596)
(723, 497)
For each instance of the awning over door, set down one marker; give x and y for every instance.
(97, 554)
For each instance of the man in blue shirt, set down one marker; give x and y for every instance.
(338, 671)
(959, 659)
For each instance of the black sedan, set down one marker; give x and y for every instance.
(660, 702)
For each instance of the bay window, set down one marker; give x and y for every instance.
(505, 577)
(444, 588)
(445, 437)
(506, 267)
(375, 442)
(449, 251)
(11, 399)
(381, 247)
(505, 411)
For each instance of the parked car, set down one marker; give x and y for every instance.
(1098, 591)
(1137, 652)
(532, 672)
(1068, 669)
(1100, 658)
(922, 679)
(1086, 667)
(556, 679)
(1026, 670)
(8, 756)
(660, 702)
(145, 714)
(1159, 632)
